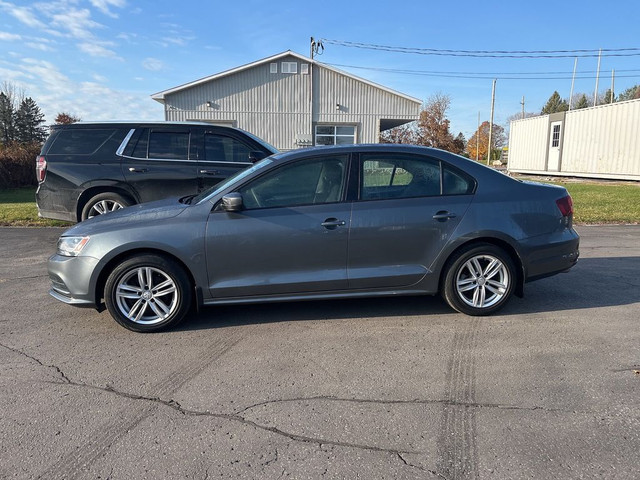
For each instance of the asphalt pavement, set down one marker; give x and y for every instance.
(382, 388)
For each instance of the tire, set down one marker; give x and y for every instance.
(479, 280)
(104, 203)
(148, 293)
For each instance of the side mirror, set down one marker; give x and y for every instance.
(256, 155)
(232, 202)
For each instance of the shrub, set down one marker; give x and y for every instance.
(18, 165)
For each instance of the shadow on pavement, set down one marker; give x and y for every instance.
(592, 283)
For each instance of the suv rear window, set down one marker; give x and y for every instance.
(80, 141)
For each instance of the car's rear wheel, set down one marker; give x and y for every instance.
(104, 203)
(479, 279)
(148, 293)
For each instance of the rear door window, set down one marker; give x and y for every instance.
(220, 148)
(80, 141)
(169, 145)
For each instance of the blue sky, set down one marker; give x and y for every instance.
(102, 59)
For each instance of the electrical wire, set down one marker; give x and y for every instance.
(581, 53)
(487, 75)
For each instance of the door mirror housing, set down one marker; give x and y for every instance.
(256, 155)
(232, 202)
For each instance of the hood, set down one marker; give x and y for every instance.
(135, 215)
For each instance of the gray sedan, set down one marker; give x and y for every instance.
(319, 223)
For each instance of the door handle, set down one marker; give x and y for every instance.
(443, 215)
(333, 223)
(137, 170)
(210, 172)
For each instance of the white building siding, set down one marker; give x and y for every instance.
(603, 140)
(527, 144)
(598, 142)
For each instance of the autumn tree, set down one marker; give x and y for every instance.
(403, 134)
(433, 124)
(65, 118)
(477, 145)
(555, 104)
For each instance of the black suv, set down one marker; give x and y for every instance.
(86, 169)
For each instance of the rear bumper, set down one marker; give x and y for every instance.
(45, 201)
(549, 255)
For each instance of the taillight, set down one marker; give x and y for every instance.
(565, 204)
(41, 168)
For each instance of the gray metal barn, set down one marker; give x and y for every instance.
(292, 101)
(596, 142)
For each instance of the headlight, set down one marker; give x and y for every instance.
(71, 246)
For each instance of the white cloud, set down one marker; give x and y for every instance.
(100, 78)
(77, 22)
(9, 37)
(103, 6)
(153, 64)
(98, 49)
(23, 14)
(40, 46)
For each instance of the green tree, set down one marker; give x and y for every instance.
(582, 102)
(555, 104)
(630, 93)
(606, 98)
(7, 119)
(28, 122)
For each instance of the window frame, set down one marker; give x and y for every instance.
(344, 194)
(335, 133)
(357, 186)
(234, 139)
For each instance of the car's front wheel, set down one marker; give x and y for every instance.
(148, 293)
(104, 203)
(479, 279)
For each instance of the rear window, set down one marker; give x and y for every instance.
(80, 141)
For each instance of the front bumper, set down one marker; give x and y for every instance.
(73, 280)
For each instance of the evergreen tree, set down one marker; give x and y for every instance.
(555, 104)
(28, 122)
(7, 125)
(582, 102)
(630, 93)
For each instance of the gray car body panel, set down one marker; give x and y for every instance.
(282, 254)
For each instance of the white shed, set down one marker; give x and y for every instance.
(596, 142)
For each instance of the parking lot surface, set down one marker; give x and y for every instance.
(382, 388)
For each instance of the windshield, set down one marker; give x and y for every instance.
(266, 145)
(238, 177)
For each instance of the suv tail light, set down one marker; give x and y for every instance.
(565, 205)
(41, 168)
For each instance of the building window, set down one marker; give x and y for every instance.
(556, 136)
(304, 68)
(289, 67)
(335, 134)
(273, 68)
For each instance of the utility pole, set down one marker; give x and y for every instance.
(522, 103)
(493, 101)
(573, 80)
(613, 72)
(595, 94)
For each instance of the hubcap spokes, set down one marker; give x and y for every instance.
(104, 206)
(146, 295)
(482, 281)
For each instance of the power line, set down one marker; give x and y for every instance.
(606, 52)
(485, 75)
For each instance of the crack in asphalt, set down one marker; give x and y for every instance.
(56, 368)
(2, 280)
(409, 464)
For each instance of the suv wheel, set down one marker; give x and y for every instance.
(147, 293)
(479, 280)
(104, 203)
